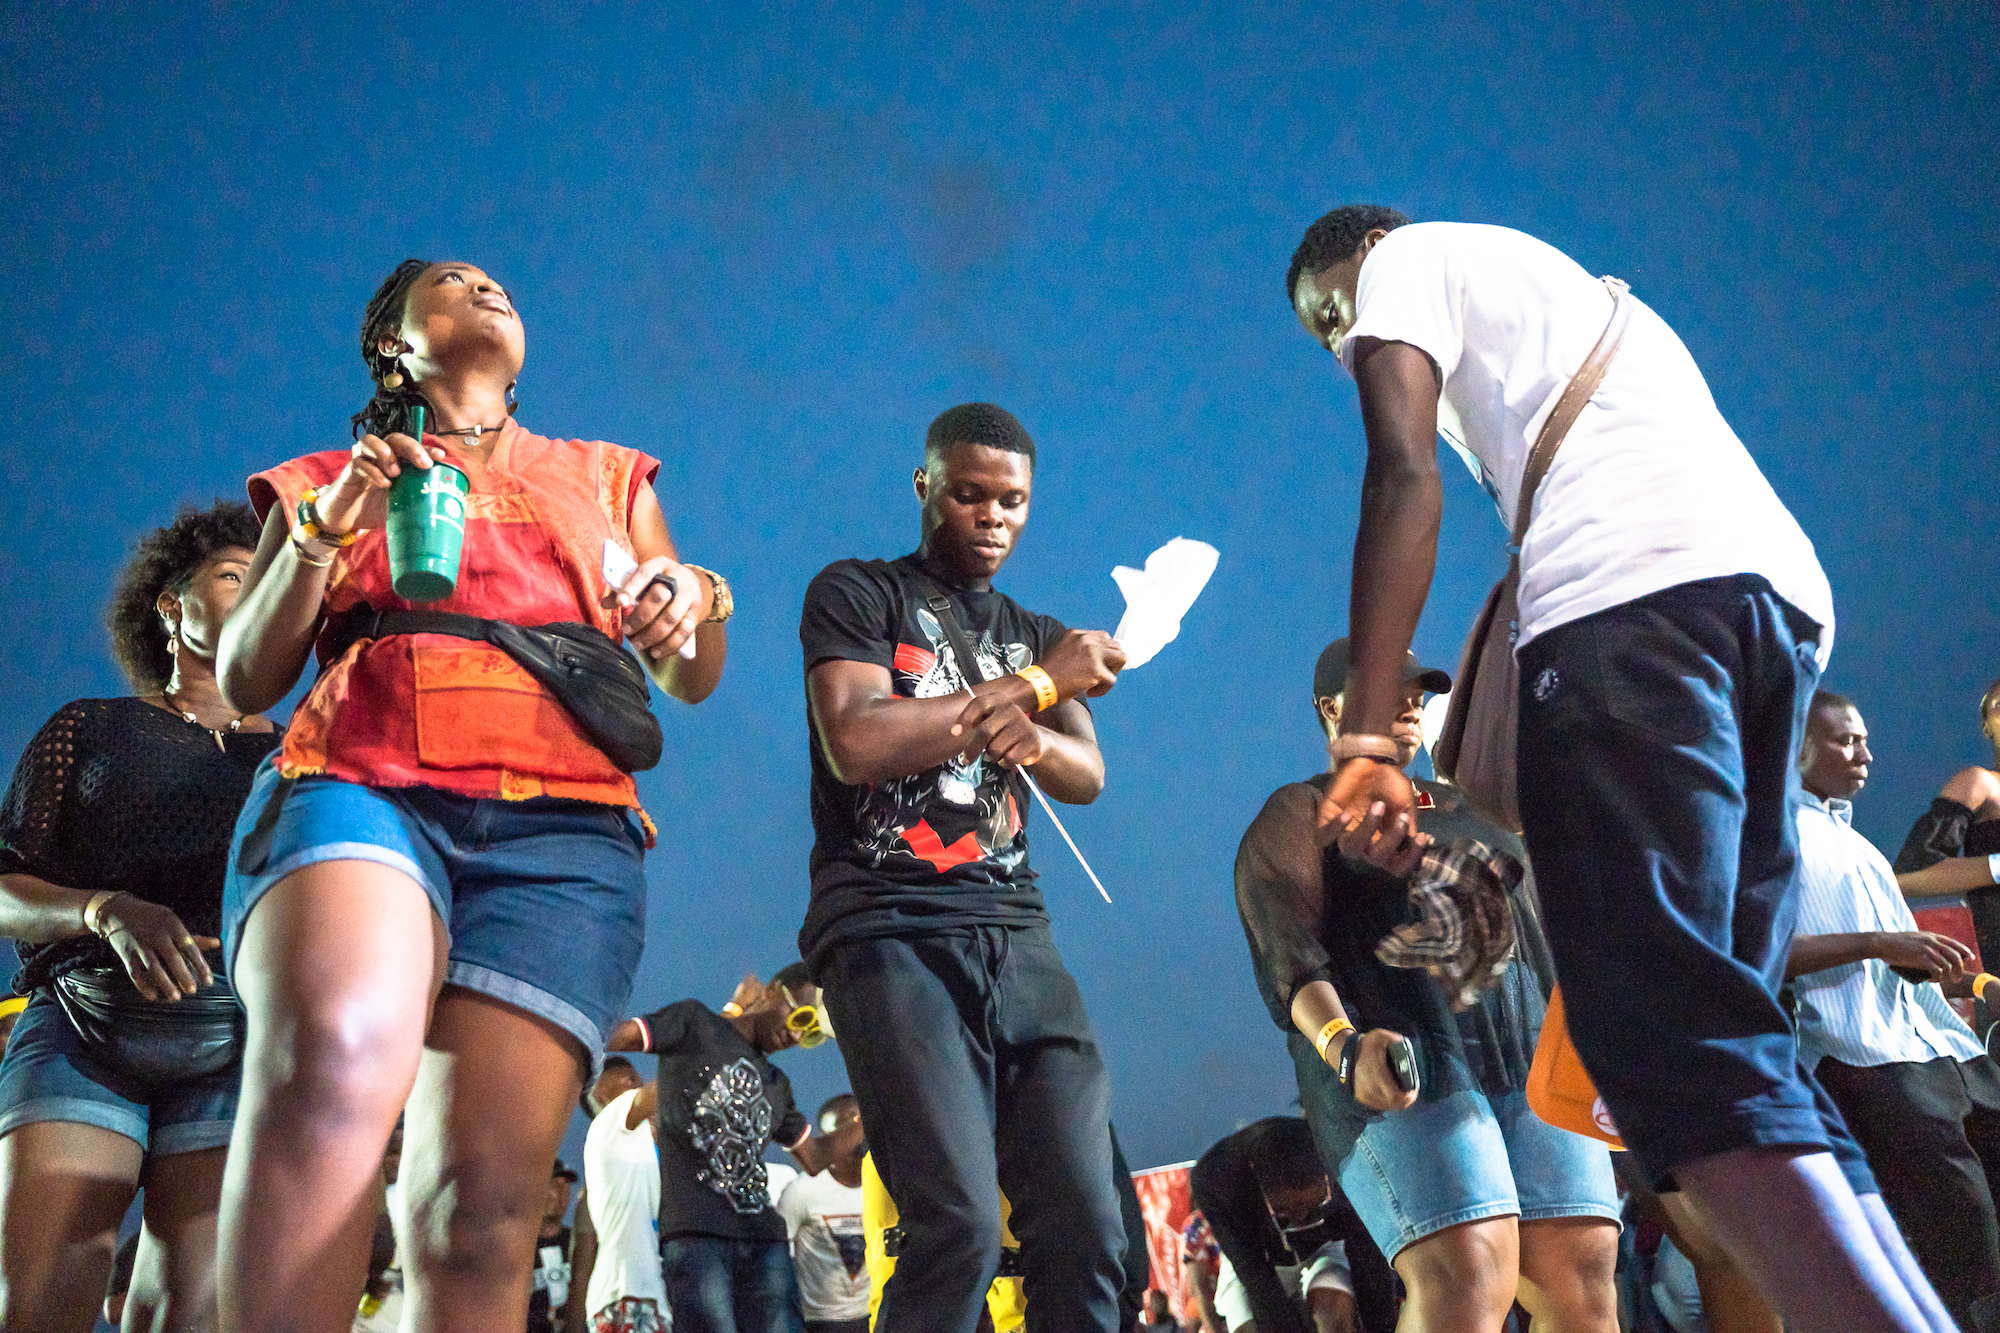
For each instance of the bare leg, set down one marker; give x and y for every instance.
(337, 970)
(173, 1280)
(493, 1097)
(64, 1189)
(1890, 1237)
(1569, 1268)
(1793, 1224)
(1461, 1279)
(1730, 1303)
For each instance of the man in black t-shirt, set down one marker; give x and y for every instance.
(930, 695)
(718, 1103)
(549, 1291)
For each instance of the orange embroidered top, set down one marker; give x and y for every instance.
(437, 711)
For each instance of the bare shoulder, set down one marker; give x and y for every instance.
(1973, 787)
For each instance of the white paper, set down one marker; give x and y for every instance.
(618, 566)
(1157, 596)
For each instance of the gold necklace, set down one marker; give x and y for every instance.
(188, 714)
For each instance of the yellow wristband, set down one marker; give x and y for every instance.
(1980, 983)
(1045, 687)
(732, 1009)
(1326, 1035)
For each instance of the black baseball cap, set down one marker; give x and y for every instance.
(563, 1172)
(1330, 675)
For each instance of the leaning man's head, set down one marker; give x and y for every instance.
(1326, 268)
(977, 477)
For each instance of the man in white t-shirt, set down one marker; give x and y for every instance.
(822, 1214)
(1673, 623)
(621, 1176)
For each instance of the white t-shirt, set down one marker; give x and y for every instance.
(1328, 1270)
(1651, 487)
(829, 1249)
(621, 1174)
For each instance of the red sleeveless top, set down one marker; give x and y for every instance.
(437, 711)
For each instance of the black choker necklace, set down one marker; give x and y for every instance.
(471, 432)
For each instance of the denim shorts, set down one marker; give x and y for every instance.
(544, 899)
(1413, 1173)
(48, 1075)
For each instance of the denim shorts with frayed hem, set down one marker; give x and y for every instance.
(48, 1075)
(544, 899)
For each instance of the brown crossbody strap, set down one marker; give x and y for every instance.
(1570, 406)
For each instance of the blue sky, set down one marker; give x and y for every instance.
(769, 244)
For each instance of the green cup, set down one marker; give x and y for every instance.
(426, 531)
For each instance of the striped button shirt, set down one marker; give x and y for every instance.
(1862, 1013)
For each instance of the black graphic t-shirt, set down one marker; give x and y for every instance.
(942, 848)
(722, 1103)
(549, 1291)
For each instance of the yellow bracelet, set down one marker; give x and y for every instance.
(1333, 1028)
(1045, 687)
(1980, 983)
(732, 1009)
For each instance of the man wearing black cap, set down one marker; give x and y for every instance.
(548, 1297)
(1476, 1202)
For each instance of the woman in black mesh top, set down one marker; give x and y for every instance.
(1954, 847)
(113, 842)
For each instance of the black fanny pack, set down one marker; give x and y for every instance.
(152, 1041)
(590, 674)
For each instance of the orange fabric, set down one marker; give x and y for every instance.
(436, 711)
(1559, 1088)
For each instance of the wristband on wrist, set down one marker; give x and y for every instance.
(1334, 1027)
(732, 1009)
(1350, 1056)
(306, 548)
(309, 522)
(724, 604)
(1980, 983)
(1342, 748)
(93, 911)
(1044, 686)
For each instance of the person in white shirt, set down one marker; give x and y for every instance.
(1673, 622)
(1913, 1081)
(621, 1177)
(822, 1214)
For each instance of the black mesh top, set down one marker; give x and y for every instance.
(119, 794)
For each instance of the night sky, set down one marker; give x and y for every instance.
(769, 247)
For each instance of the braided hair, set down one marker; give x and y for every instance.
(389, 410)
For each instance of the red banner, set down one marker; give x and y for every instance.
(1165, 1204)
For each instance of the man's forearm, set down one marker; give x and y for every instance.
(1395, 548)
(1070, 770)
(1816, 953)
(889, 738)
(1954, 875)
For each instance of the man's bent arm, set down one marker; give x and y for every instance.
(1954, 875)
(1071, 768)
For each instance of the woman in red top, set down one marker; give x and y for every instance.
(435, 893)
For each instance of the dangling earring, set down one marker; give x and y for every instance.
(173, 640)
(513, 400)
(392, 374)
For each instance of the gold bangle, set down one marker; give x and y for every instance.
(310, 525)
(93, 911)
(1344, 748)
(305, 555)
(1980, 983)
(1044, 685)
(1334, 1027)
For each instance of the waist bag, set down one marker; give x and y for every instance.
(1559, 1087)
(1476, 749)
(600, 684)
(155, 1042)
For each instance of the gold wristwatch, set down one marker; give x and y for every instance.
(725, 604)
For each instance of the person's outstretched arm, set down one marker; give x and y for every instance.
(1395, 552)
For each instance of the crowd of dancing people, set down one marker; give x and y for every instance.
(325, 994)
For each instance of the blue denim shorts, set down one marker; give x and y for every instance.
(1469, 1157)
(48, 1075)
(544, 899)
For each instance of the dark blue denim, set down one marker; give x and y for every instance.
(731, 1286)
(1658, 748)
(978, 1071)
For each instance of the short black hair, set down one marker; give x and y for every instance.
(978, 423)
(611, 1062)
(836, 1103)
(166, 561)
(1828, 699)
(1282, 1153)
(792, 974)
(1337, 236)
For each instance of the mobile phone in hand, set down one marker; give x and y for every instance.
(1402, 1057)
